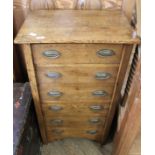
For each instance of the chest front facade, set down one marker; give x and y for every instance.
(75, 78)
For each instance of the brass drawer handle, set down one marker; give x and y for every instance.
(99, 93)
(96, 107)
(57, 131)
(55, 93)
(53, 54)
(55, 108)
(102, 75)
(91, 132)
(105, 53)
(56, 122)
(53, 75)
(94, 120)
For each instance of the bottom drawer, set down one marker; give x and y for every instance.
(88, 133)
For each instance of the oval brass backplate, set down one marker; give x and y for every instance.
(53, 54)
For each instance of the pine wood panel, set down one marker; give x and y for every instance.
(76, 133)
(74, 121)
(52, 138)
(34, 89)
(138, 13)
(68, 4)
(61, 30)
(82, 73)
(74, 92)
(75, 108)
(128, 7)
(76, 54)
(131, 121)
(118, 85)
(70, 26)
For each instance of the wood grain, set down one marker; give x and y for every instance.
(138, 12)
(128, 7)
(34, 89)
(68, 4)
(75, 108)
(117, 89)
(75, 54)
(81, 73)
(70, 26)
(131, 120)
(74, 121)
(74, 92)
(77, 37)
(74, 132)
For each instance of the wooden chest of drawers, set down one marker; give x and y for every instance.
(76, 62)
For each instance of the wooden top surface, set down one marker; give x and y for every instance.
(76, 26)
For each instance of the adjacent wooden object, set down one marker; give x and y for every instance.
(69, 4)
(26, 137)
(138, 13)
(130, 122)
(75, 52)
(136, 146)
(128, 7)
(20, 11)
(17, 74)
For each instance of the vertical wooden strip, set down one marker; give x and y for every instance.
(130, 77)
(34, 89)
(130, 124)
(127, 49)
(138, 12)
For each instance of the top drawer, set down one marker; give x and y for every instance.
(46, 54)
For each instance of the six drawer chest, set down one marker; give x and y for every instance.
(76, 62)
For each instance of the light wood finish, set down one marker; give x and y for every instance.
(75, 92)
(82, 73)
(131, 120)
(76, 108)
(34, 89)
(77, 38)
(78, 133)
(118, 85)
(136, 146)
(75, 53)
(73, 121)
(138, 12)
(128, 7)
(68, 4)
(70, 26)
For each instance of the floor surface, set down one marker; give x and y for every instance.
(74, 146)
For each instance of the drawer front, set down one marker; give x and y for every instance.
(75, 121)
(75, 92)
(59, 133)
(67, 73)
(82, 73)
(48, 54)
(78, 108)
